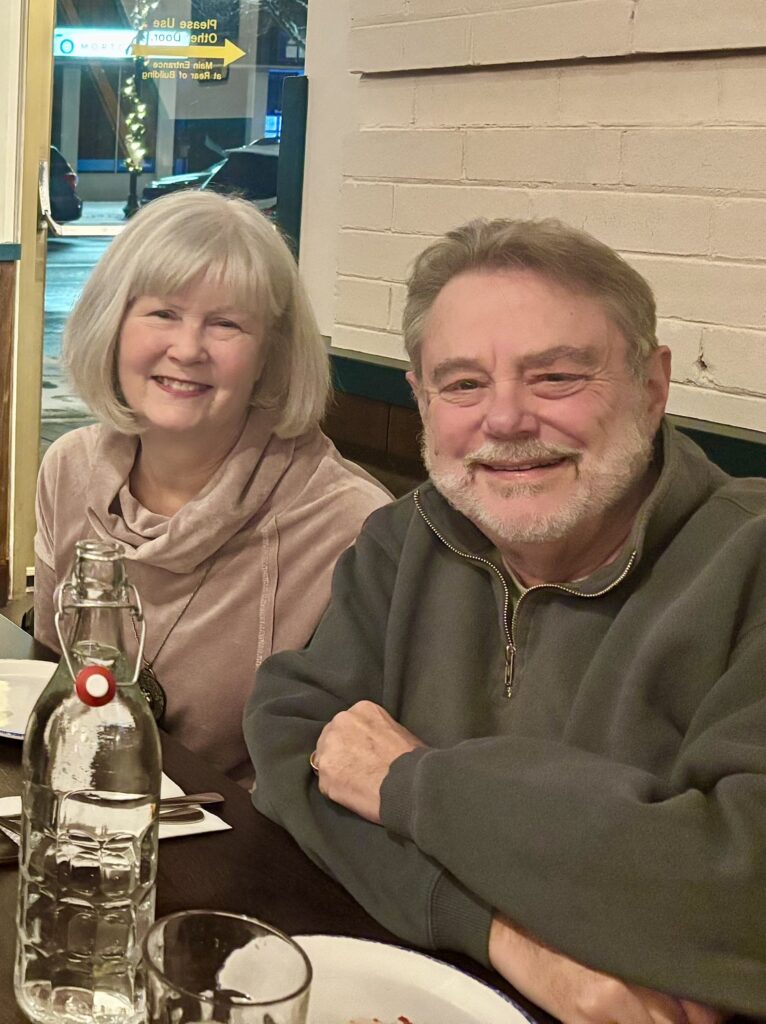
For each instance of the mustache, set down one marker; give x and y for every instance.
(526, 450)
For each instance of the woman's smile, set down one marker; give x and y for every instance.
(181, 388)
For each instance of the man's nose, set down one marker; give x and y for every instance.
(510, 410)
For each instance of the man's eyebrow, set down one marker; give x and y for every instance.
(586, 356)
(459, 364)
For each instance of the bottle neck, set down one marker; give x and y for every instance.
(98, 638)
(94, 605)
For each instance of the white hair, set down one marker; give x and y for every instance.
(183, 238)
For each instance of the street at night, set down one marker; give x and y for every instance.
(70, 261)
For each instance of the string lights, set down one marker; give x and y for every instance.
(135, 126)
(135, 109)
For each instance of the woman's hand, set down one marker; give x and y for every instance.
(578, 995)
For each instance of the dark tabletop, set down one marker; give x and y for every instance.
(255, 868)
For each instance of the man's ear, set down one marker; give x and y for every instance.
(657, 383)
(418, 391)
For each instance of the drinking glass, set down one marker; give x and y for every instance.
(204, 965)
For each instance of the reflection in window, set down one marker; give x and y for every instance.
(195, 106)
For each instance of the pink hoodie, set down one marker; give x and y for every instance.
(273, 521)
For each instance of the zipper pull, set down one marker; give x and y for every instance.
(509, 653)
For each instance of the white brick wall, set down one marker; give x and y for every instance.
(581, 28)
(665, 25)
(569, 156)
(662, 157)
(379, 255)
(710, 159)
(395, 154)
(393, 35)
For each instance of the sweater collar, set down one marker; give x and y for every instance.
(237, 492)
(686, 479)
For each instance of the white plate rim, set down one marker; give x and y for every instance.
(34, 668)
(432, 961)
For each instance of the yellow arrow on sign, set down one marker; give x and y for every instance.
(229, 52)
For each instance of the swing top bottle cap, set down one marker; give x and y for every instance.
(95, 685)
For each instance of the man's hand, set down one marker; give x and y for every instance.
(578, 995)
(355, 751)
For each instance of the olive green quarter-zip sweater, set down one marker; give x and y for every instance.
(614, 805)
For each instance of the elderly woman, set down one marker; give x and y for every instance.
(194, 345)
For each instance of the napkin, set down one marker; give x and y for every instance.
(168, 829)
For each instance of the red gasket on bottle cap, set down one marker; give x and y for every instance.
(95, 685)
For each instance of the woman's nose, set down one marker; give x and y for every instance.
(510, 410)
(188, 344)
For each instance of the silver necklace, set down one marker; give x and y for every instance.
(148, 682)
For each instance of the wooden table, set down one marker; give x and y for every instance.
(254, 869)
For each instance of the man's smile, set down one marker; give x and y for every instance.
(521, 467)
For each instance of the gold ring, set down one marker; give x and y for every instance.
(313, 762)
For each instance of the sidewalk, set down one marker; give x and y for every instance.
(70, 261)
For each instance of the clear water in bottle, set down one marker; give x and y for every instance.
(89, 824)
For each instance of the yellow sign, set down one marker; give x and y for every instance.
(229, 52)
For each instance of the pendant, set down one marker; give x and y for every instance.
(151, 688)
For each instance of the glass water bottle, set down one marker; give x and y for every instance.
(90, 797)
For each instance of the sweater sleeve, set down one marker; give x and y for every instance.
(312, 534)
(296, 694)
(45, 559)
(45, 585)
(579, 847)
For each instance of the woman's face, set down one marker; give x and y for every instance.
(187, 363)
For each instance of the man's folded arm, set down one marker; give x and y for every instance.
(296, 694)
(663, 883)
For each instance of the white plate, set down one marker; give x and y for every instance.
(168, 829)
(357, 979)
(21, 683)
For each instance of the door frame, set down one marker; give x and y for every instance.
(35, 106)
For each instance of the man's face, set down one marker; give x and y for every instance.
(534, 422)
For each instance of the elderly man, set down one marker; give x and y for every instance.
(536, 704)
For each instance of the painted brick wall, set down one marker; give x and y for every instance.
(500, 108)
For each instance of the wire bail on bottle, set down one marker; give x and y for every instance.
(95, 684)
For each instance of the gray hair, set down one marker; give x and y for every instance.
(169, 244)
(562, 254)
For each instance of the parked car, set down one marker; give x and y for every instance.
(176, 182)
(62, 184)
(249, 171)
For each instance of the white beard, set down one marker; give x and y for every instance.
(599, 485)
